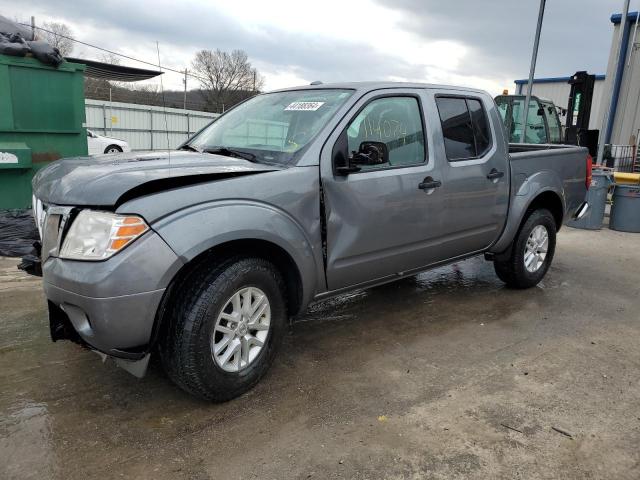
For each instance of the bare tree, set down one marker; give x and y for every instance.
(224, 76)
(58, 35)
(110, 58)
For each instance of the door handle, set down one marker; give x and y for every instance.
(493, 174)
(429, 183)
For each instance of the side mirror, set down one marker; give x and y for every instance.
(371, 153)
(342, 164)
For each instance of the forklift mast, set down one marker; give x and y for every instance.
(579, 112)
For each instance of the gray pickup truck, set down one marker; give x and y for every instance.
(203, 254)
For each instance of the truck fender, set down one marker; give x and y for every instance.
(527, 190)
(196, 229)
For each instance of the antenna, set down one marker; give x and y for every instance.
(164, 106)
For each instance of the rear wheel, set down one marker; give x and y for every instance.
(224, 327)
(531, 253)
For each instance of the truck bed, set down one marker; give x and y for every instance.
(561, 165)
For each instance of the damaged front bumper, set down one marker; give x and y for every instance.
(110, 306)
(62, 328)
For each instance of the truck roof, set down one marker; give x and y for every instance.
(368, 86)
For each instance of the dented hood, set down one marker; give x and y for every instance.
(104, 180)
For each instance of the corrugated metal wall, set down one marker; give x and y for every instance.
(626, 126)
(558, 93)
(144, 127)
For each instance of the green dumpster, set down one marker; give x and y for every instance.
(41, 120)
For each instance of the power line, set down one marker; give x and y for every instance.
(181, 72)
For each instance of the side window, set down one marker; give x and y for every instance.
(535, 131)
(456, 128)
(555, 135)
(395, 121)
(502, 109)
(465, 127)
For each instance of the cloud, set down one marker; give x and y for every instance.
(576, 35)
(477, 43)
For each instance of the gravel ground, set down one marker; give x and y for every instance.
(444, 375)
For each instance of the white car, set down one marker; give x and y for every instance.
(98, 144)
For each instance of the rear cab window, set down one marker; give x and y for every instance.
(465, 127)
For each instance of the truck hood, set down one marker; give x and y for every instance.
(106, 180)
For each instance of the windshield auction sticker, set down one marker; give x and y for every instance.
(304, 106)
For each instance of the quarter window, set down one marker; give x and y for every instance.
(395, 121)
(464, 127)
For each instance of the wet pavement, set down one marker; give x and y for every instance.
(443, 375)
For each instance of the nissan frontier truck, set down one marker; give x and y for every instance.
(202, 255)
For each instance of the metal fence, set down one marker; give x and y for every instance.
(144, 127)
(622, 158)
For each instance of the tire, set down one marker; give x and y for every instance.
(113, 149)
(195, 314)
(513, 270)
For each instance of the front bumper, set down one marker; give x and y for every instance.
(118, 326)
(110, 306)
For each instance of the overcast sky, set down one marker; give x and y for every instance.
(481, 43)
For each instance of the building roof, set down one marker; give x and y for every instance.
(119, 73)
(524, 81)
(631, 17)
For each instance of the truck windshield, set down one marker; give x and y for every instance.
(273, 127)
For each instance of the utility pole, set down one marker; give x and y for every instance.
(532, 71)
(185, 90)
(33, 27)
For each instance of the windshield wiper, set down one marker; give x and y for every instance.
(186, 146)
(231, 152)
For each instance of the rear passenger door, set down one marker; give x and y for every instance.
(475, 172)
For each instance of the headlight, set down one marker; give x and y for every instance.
(98, 235)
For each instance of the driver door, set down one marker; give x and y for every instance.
(382, 219)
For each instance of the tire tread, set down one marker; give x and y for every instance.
(511, 270)
(185, 317)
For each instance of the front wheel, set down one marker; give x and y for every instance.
(531, 253)
(224, 326)
(113, 149)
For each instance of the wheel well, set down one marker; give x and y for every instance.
(551, 201)
(254, 248)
